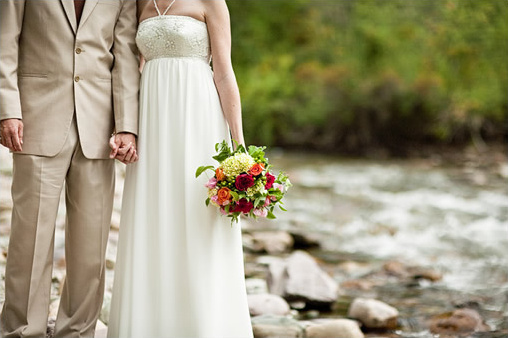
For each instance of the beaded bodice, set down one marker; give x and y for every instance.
(173, 36)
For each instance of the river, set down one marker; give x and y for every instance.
(452, 218)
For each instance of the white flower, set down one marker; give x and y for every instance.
(237, 164)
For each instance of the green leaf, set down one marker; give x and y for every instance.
(270, 215)
(224, 151)
(202, 169)
(235, 196)
(207, 202)
(281, 208)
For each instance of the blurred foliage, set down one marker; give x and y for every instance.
(354, 74)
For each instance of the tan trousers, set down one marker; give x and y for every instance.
(36, 188)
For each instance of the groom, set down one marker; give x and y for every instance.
(68, 79)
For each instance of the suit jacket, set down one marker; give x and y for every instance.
(51, 69)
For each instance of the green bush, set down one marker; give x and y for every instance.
(354, 74)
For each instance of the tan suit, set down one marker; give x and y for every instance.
(72, 85)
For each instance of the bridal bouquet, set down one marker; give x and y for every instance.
(243, 184)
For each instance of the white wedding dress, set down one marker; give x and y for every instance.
(179, 270)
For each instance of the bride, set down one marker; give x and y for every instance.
(179, 271)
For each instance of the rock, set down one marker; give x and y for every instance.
(373, 313)
(336, 328)
(273, 242)
(256, 286)
(299, 278)
(276, 327)
(456, 322)
(53, 309)
(307, 281)
(115, 221)
(276, 277)
(266, 304)
(358, 284)
(106, 304)
(428, 274)
(101, 330)
(304, 240)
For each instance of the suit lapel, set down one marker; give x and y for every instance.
(87, 10)
(68, 6)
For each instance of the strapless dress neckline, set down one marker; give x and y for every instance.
(183, 17)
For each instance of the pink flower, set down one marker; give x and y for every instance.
(215, 199)
(278, 186)
(223, 211)
(260, 212)
(273, 198)
(267, 201)
(212, 183)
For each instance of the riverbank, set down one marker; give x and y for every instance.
(425, 235)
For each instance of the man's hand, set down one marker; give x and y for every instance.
(11, 134)
(123, 147)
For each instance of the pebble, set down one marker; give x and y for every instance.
(268, 326)
(456, 322)
(335, 328)
(256, 286)
(373, 313)
(267, 304)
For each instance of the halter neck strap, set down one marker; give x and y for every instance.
(167, 9)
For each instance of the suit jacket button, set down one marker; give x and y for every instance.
(78, 50)
(76, 79)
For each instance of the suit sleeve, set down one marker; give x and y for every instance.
(125, 71)
(11, 22)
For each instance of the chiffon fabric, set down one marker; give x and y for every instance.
(179, 270)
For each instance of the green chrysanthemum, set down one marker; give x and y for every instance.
(236, 164)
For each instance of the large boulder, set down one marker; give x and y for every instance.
(335, 328)
(272, 242)
(373, 313)
(457, 322)
(299, 278)
(266, 304)
(276, 327)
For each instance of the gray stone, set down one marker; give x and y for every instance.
(304, 280)
(335, 328)
(373, 313)
(457, 322)
(273, 242)
(276, 327)
(267, 304)
(256, 286)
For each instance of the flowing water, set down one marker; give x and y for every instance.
(451, 218)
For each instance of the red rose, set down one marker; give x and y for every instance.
(244, 181)
(269, 180)
(243, 206)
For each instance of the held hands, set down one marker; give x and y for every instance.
(123, 147)
(11, 134)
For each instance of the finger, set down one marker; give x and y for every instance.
(8, 143)
(16, 142)
(125, 149)
(136, 157)
(113, 146)
(20, 133)
(130, 153)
